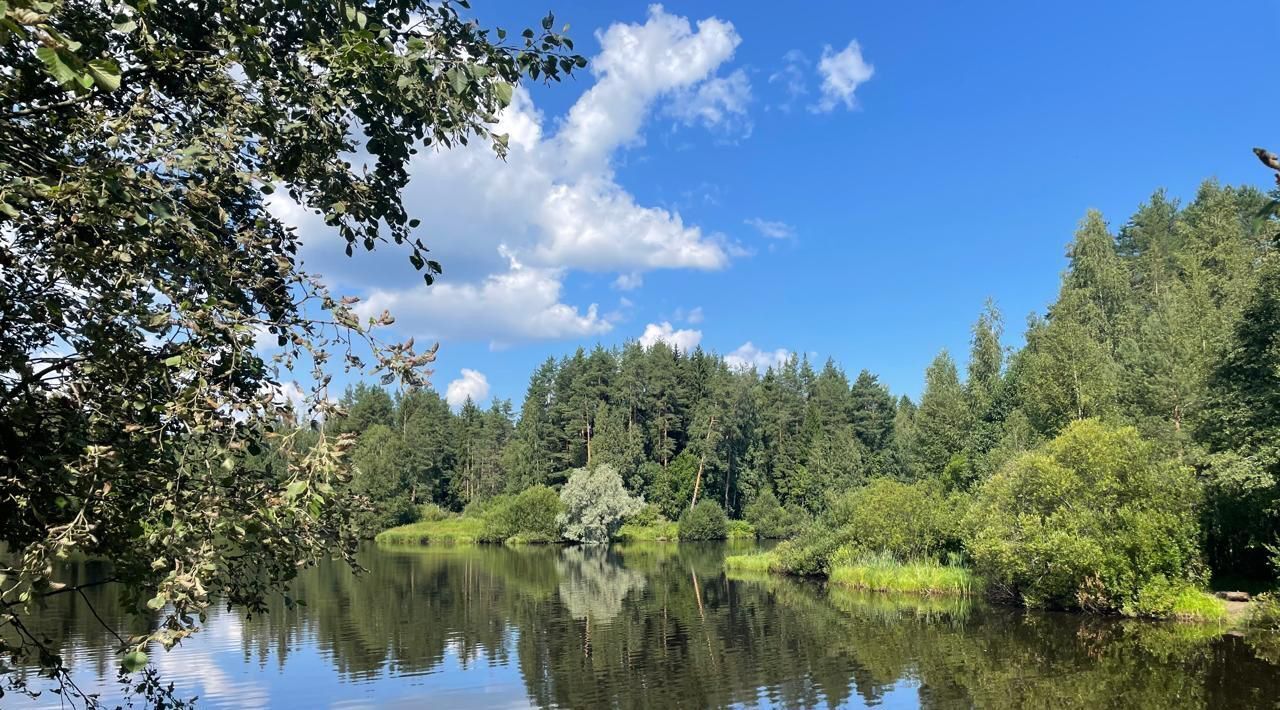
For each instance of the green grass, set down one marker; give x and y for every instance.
(755, 562)
(450, 531)
(883, 573)
(658, 532)
(1195, 605)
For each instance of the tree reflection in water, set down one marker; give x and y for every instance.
(662, 625)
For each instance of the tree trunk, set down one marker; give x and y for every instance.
(697, 482)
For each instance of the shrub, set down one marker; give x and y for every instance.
(704, 521)
(908, 521)
(1085, 521)
(1266, 612)
(530, 514)
(594, 504)
(769, 518)
(810, 553)
(646, 516)
(431, 513)
(740, 530)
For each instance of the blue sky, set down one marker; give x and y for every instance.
(848, 180)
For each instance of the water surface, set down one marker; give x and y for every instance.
(657, 625)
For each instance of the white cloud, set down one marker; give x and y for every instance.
(472, 385)
(793, 76)
(716, 103)
(682, 340)
(772, 229)
(508, 233)
(522, 303)
(842, 72)
(749, 357)
(693, 316)
(629, 282)
(636, 65)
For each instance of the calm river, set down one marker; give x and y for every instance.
(659, 626)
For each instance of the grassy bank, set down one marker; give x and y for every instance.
(450, 531)
(883, 573)
(758, 562)
(662, 531)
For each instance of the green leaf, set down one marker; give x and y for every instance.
(173, 361)
(502, 90)
(361, 19)
(458, 79)
(56, 65)
(134, 662)
(106, 73)
(157, 602)
(295, 489)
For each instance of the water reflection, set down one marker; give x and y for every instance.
(658, 625)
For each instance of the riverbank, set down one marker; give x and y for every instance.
(470, 530)
(883, 573)
(874, 573)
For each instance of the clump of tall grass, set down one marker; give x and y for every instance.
(758, 562)
(882, 572)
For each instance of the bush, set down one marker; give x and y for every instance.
(1085, 521)
(1266, 612)
(810, 553)
(431, 513)
(594, 504)
(530, 514)
(769, 518)
(704, 521)
(647, 516)
(740, 530)
(908, 521)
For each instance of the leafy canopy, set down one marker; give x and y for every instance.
(140, 267)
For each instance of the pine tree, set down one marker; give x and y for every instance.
(943, 421)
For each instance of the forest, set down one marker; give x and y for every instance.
(1160, 352)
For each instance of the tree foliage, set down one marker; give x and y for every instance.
(1086, 521)
(595, 504)
(704, 521)
(141, 146)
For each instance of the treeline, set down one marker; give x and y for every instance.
(1168, 324)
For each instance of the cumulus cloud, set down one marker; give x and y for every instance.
(508, 233)
(472, 385)
(637, 64)
(842, 72)
(749, 357)
(772, 229)
(719, 103)
(629, 282)
(522, 303)
(682, 340)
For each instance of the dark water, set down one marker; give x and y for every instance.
(660, 626)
